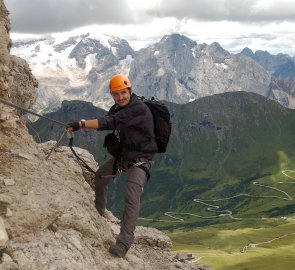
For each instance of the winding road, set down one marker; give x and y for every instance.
(221, 213)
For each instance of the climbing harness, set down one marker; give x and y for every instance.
(141, 166)
(71, 137)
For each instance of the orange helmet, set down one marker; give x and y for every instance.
(119, 82)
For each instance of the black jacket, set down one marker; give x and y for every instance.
(136, 128)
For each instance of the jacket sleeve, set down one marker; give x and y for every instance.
(130, 116)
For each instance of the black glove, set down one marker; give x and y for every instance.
(74, 125)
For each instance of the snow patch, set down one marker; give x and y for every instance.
(103, 38)
(161, 72)
(193, 52)
(125, 64)
(221, 65)
(114, 50)
(90, 61)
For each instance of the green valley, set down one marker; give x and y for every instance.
(224, 247)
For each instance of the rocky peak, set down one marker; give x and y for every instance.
(62, 46)
(285, 71)
(72, 108)
(26, 43)
(281, 66)
(217, 53)
(176, 41)
(120, 47)
(264, 58)
(248, 52)
(86, 47)
(172, 56)
(179, 70)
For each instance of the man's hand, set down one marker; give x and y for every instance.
(74, 126)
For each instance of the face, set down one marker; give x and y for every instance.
(122, 97)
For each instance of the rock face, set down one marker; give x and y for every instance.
(48, 219)
(120, 48)
(89, 46)
(179, 70)
(282, 66)
(284, 91)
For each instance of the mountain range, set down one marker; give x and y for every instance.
(176, 69)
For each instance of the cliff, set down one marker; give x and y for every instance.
(48, 219)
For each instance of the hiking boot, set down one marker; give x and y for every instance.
(118, 250)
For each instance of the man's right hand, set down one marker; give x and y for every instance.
(73, 126)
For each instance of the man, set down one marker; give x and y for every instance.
(134, 122)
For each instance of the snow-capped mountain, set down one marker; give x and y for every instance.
(176, 69)
(74, 68)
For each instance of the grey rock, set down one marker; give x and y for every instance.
(184, 257)
(3, 234)
(62, 46)
(23, 82)
(8, 182)
(8, 212)
(152, 237)
(8, 263)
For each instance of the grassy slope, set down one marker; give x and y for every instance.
(254, 143)
(221, 247)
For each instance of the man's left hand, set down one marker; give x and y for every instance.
(73, 126)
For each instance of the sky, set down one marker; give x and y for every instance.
(235, 24)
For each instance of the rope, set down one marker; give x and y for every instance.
(34, 130)
(30, 112)
(57, 143)
(80, 160)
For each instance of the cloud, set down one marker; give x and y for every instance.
(229, 10)
(235, 24)
(46, 16)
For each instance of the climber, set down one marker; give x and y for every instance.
(133, 122)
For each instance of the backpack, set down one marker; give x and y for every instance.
(162, 128)
(162, 123)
